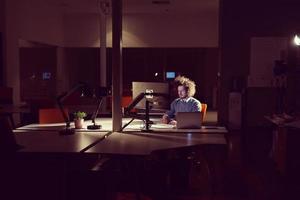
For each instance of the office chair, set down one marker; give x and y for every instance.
(203, 110)
(126, 101)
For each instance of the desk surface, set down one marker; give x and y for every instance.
(106, 126)
(136, 125)
(53, 142)
(137, 143)
(45, 138)
(282, 122)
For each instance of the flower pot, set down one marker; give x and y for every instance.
(78, 123)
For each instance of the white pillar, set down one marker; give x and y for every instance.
(11, 57)
(2, 28)
(103, 12)
(117, 64)
(11, 69)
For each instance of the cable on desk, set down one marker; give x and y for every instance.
(96, 142)
(127, 124)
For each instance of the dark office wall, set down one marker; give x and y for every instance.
(141, 64)
(1, 60)
(209, 75)
(241, 20)
(2, 15)
(2, 25)
(199, 64)
(33, 63)
(83, 65)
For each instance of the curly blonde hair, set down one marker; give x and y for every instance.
(189, 85)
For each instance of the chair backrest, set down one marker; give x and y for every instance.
(126, 100)
(203, 110)
(51, 115)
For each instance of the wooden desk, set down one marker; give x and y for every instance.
(53, 142)
(106, 126)
(48, 158)
(131, 143)
(142, 144)
(45, 138)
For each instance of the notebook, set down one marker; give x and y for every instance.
(188, 120)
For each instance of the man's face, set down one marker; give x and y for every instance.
(182, 93)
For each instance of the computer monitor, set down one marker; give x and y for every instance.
(46, 75)
(170, 75)
(158, 102)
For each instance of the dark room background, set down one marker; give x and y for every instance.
(139, 64)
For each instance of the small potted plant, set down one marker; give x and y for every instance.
(79, 119)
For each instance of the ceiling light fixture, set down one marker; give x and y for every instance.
(297, 40)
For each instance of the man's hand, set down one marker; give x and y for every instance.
(173, 122)
(165, 119)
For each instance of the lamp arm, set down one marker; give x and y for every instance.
(133, 103)
(139, 98)
(127, 110)
(62, 97)
(65, 116)
(94, 116)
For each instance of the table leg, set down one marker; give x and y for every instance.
(279, 148)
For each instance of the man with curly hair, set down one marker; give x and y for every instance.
(185, 102)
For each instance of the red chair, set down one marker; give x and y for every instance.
(126, 100)
(51, 115)
(203, 110)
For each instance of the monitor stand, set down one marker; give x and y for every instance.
(147, 118)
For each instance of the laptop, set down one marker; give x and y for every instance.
(188, 120)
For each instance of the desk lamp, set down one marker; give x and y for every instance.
(68, 130)
(101, 92)
(98, 93)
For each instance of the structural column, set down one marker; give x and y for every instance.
(116, 64)
(11, 68)
(11, 56)
(104, 6)
(2, 28)
(104, 11)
